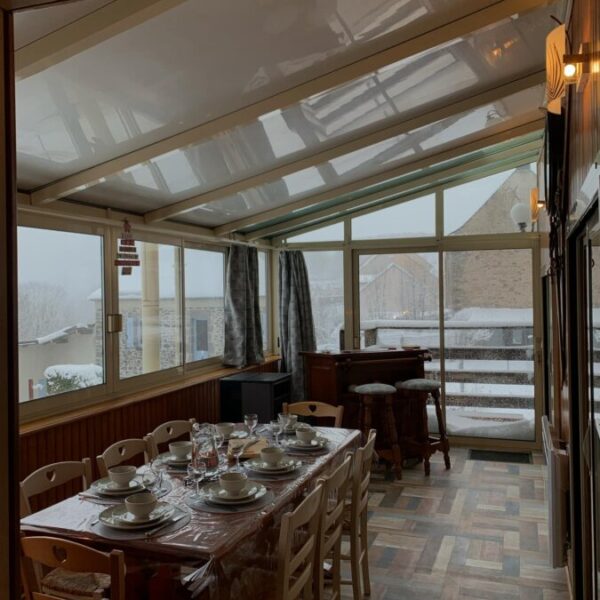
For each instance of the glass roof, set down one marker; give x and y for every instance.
(193, 63)
(379, 157)
(433, 78)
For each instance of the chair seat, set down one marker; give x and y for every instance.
(420, 385)
(374, 389)
(72, 585)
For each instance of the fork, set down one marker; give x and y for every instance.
(165, 525)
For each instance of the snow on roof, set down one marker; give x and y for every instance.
(494, 316)
(60, 335)
(84, 375)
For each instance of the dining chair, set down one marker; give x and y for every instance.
(167, 432)
(51, 476)
(315, 409)
(103, 570)
(296, 550)
(331, 520)
(355, 522)
(119, 452)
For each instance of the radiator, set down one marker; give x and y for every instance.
(557, 487)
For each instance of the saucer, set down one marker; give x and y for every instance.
(237, 435)
(317, 444)
(106, 487)
(118, 517)
(285, 466)
(215, 494)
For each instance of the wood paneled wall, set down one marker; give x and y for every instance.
(89, 433)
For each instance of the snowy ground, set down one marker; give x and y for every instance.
(496, 423)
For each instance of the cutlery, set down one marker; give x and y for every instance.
(165, 525)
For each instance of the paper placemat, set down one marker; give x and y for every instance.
(203, 506)
(109, 533)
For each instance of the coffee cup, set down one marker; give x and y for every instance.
(271, 455)
(141, 505)
(180, 449)
(225, 429)
(122, 474)
(233, 482)
(306, 434)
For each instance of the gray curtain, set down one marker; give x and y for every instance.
(243, 333)
(296, 327)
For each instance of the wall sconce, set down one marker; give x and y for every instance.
(577, 67)
(520, 213)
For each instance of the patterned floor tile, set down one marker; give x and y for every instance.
(478, 531)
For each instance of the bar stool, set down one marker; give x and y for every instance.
(424, 444)
(389, 448)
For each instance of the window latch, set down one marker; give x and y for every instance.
(114, 323)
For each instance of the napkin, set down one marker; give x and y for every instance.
(253, 449)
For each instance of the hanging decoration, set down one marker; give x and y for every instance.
(127, 255)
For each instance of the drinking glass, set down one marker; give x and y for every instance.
(276, 430)
(251, 421)
(149, 480)
(157, 467)
(197, 473)
(236, 451)
(284, 420)
(219, 441)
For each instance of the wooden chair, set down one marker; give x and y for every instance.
(355, 524)
(119, 452)
(296, 550)
(331, 520)
(51, 476)
(167, 432)
(64, 556)
(315, 409)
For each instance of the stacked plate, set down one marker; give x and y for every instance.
(238, 434)
(286, 465)
(106, 487)
(213, 493)
(315, 445)
(172, 461)
(118, 517)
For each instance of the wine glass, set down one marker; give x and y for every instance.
(276, 430)
(197, 472)
(251, 421)
(219, 441)
(236, 451)
(284, 420)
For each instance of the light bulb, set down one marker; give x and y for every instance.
(570, 70)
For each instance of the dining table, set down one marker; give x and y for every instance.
(209, 554)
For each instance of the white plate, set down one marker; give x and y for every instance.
(317, 444)
(117, 517)
(105, 487)
(285, 466)
(212, 492)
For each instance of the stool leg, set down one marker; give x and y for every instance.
(392, 435)
(442, 428)
(367, 402)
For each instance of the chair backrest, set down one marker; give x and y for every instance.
(55, 552)
(315, 409)
(119, 452)
(363, 459)
(51, 476)
(331, 518)
(297, 545)
(167, 432)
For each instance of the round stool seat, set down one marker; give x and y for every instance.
(373, 389)
(420, 385)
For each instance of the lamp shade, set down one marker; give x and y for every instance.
(520, 213)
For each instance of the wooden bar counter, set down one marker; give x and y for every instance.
(330, 374)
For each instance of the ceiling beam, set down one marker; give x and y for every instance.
(388, 129)
(421, 41)
(378, 198)
(88, 31)
(523, 125)
(25, 4)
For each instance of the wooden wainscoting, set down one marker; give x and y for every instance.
(89, 431)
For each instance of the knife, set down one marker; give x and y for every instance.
(165, 525)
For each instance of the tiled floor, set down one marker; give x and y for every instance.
(476, 531)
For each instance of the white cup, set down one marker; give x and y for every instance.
(122, 474)
(180, 449)
(306, 434)
(271, 455)
(225, 429)
(233, 482)
(141, 505)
